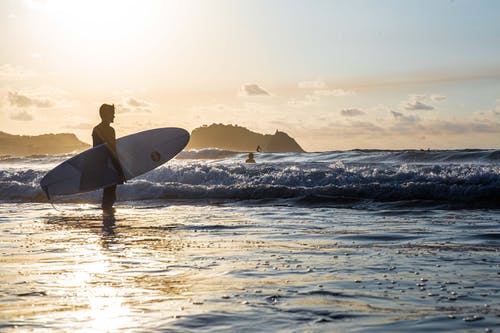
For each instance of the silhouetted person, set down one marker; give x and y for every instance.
(108, 225)
(105, 134)
(258, 149)
(250, 158)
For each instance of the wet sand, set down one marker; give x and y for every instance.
(247, 266)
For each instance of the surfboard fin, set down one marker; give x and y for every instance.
(46, 190)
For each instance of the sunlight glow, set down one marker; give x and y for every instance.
(103, 21)
(188, 59)
(112, 35)
(105, 311)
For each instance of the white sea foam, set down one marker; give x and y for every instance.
(282, 176)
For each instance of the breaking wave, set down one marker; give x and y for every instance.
(330, 181)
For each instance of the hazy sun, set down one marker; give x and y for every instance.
(113, 35)
(104, 21)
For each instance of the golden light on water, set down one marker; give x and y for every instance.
(171, 267)
(105, 309)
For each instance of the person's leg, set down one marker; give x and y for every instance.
(108, 197)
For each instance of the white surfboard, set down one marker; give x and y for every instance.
(93, 168)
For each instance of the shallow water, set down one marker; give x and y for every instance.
(262, 265)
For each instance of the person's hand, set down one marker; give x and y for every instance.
(122, 179)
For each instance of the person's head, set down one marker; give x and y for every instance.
(107, 113)
(250, 155)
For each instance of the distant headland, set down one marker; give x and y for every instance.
(230, 137)
(237, 138)
(25, 145)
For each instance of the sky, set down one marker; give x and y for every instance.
(334, 75)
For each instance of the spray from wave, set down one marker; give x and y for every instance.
(376, 176)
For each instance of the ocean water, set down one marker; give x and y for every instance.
(347, 241)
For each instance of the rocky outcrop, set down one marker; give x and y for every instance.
(236, 138)
(25, 145)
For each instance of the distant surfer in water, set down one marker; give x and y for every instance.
(105, 134)
(250, 158)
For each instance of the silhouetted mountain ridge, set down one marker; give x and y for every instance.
(237, 138)
(25, 145)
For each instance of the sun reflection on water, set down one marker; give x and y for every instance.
(172, 268)
(103, 301)
(107, 310)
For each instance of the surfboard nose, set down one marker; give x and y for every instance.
(185, 134)
(179, 135)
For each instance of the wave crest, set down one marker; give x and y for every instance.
(463, 184)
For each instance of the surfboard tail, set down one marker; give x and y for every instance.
(46, 190)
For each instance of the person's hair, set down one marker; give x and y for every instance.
(106, 108)
(250, 155)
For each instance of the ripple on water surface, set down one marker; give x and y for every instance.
(163, 266)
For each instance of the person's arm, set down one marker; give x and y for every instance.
(96, 140)
(107, 136)
(114, 156)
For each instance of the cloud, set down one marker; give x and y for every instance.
(211, 108)
(352, 112)
(418, 97)
(132, 101)
(321, 89)
(314, 98)
(405, 118)
(124, 108)
(10, 72)
(252, 90)
(416, 126)
(345, 130)
(12, 16)
(460, 127)
(438, 98)
(417, 105)
(366, 126)
(318, 84)
(240, 114)
(416, 102)
(80, 126)
(397, 115)
(135, 105)
(23, 101)
(488, 114)
(21, 116)
(36, 4)
(316, 95)
(334, 92)
(300, 103)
